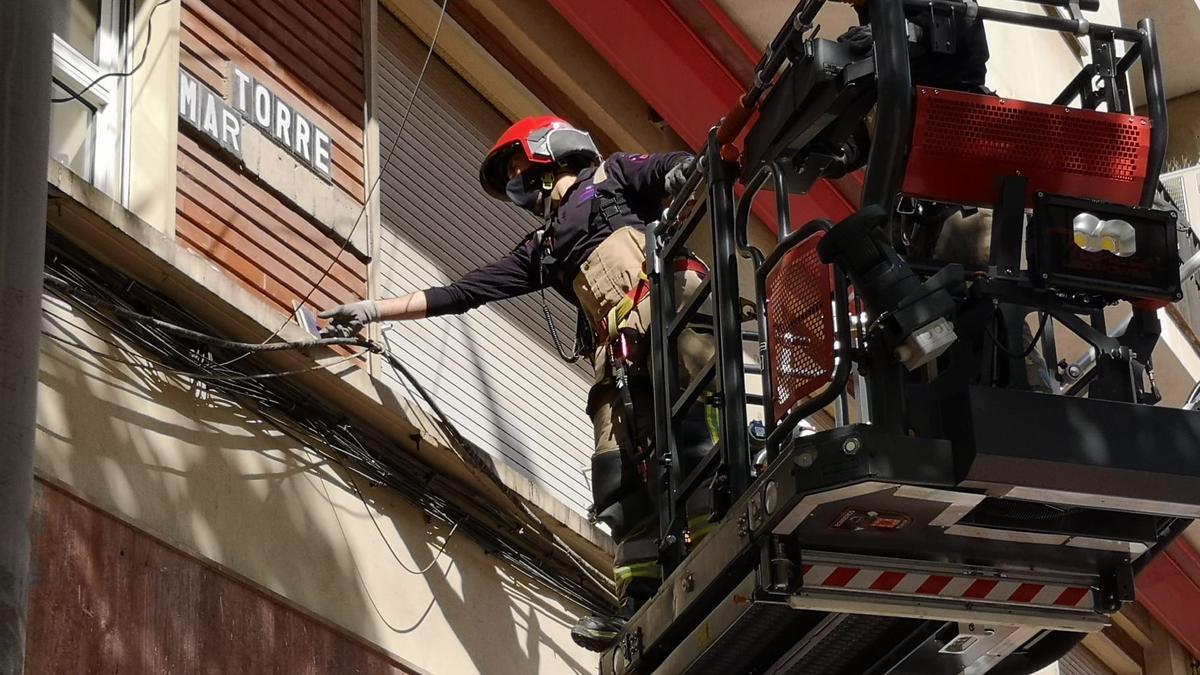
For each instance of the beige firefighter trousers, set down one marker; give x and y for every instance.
(604, 279)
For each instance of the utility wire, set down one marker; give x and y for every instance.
(374, 183)
(458, 442)
(78, 95)
(1032, 344)
(157, 367)
(470, 456)
(67, 287)
(294, 412)
(375, 521)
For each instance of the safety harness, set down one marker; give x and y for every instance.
(618, 316)
(608, 209)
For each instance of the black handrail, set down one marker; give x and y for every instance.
(1156, 104)
(841, 374)
(1056, 23)
(893, 127)
(841, 370)
(756, 257)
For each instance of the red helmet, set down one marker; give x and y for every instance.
(544, 140)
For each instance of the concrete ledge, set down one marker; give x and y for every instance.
(93, 221)
(324, 202)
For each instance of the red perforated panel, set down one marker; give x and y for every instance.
(962, 143)
(800, 322)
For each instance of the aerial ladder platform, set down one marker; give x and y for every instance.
(961, 513)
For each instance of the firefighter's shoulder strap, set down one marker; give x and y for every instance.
(609, 208)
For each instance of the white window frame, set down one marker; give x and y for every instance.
(109, 141)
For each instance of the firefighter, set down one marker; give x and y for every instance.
(591, 250)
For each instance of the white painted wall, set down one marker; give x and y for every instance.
(153, 111)
(1035, 65)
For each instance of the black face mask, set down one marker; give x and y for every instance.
(526, 189)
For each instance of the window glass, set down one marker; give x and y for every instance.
(71, 133)
(79, 25)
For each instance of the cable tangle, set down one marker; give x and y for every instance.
(170, 341)
(387, 160)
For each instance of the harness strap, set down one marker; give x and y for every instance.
(609, 325)
(607, 206)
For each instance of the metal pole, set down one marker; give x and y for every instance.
(727, 320)
(1156, 102)
(24, 148)
(894, 110)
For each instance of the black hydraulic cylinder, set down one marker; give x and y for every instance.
(727, 321)
(889, 148)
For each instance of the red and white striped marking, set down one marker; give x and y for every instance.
(919, 584)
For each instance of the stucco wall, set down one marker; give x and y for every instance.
(220, 482)
(153, 111)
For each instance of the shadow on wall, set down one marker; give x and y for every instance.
(216, 479)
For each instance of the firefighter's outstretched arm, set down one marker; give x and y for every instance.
(508, 277)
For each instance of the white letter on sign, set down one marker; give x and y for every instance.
(212, 109)
(322, 149)
(262, 107)
(231, 132)
(302, 139)
(243, 84)
(189, 93)
(283, 124)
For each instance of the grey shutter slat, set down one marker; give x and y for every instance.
(492, 369)
(1080, 661)
(1174, 188)
(1178, 189)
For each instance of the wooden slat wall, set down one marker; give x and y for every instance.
(310, 54)
(108, 598)
(492, 369)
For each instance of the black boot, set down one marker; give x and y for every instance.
(597, 633)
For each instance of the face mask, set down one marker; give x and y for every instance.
(526, 189)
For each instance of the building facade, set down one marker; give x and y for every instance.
(266, 154)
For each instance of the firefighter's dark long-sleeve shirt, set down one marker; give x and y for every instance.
(572, 236)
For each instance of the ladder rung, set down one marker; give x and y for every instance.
(689, 310)
(703, 469)
(681, 237)
(699, 383)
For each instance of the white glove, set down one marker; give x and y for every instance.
(352, 315)
(676, 178)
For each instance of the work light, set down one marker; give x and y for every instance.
(1102, 251)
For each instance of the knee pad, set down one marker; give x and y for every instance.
(696, 434)
(620, 498)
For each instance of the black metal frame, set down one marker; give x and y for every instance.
(728, 470)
